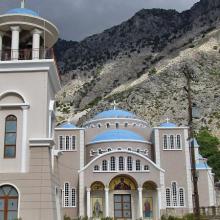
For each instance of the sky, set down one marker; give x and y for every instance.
(77, 19)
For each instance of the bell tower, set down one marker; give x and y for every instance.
(29, 81)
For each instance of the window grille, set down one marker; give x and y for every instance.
(138, 165)
(121, 163)
(73, 142)
(112, 164)
(171, 142)
(181, 197)
(174, 194)
(168, 197)
(165, 145)
(129, 164)
(178, 142)
(104, 165)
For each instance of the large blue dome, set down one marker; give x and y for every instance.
(168, 125)
(117, 135)
(115, 113)
(22, 11)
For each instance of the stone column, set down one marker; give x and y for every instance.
(15, 42)
(1, 36)
(88, 202)
(24, 140)
(106, 202)
(159, 201)
(140, 199)
(36, 44)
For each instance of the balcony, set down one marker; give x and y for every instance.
(27, 54)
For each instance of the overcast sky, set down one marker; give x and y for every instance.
(77, 19)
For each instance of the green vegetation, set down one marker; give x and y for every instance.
(185, 217)
(209, 148)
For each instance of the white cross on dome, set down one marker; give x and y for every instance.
(22, 3)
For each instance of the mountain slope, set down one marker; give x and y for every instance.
(138, 64)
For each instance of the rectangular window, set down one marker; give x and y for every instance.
(112, 164)
(61, 142)
(168, 197)
(165, 142)
(73, 142)
(73, 199)
(121, 163)
(171, 142)
(138, 165)
(178, 142)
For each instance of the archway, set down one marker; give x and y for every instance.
(8, 202)
(149, 200)
(97, 199)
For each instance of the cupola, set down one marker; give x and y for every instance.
(25, 35)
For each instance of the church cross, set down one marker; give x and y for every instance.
(167, 120)
(114, 104)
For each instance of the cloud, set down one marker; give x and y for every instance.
(78, 19)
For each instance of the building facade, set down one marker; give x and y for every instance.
(115, 165)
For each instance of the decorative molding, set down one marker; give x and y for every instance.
(41, 142)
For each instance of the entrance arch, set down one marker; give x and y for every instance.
(123, 182)
(150, 200)
(8, 202)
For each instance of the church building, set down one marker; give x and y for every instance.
(115, 165)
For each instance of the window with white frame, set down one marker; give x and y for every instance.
(112, 164)
(73, 141)
(174, 194)
(178, 141)
(165, 142)
(168, 197)
(104, 165)
(109, 149)
(69, 196)
(129, 163)
(172, 142)
(121, 163)
(67, 143)
(181, 197)
(107, 125)
(96, 168)
(138, 165)
(146, 167)
(129, 149)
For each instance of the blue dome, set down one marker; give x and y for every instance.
(115, 113)
(196, 145)
(67, 125)
(168, 125)
(202, 165)
(22, 11)
(117, 135)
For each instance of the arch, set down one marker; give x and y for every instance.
(12, 97)
(97, 186)
(150, 185)
(123, 182)
(9, 195)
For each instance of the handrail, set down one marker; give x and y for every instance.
(27, 54)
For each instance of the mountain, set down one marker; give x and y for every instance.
(139, 64)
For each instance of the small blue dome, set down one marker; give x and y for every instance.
(67, 125)
(115, 113)
(117, 135)
(22, 11)
(202, 165)
(168, 125)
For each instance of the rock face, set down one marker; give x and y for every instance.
(139, 64)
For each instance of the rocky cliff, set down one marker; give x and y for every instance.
(139, 64)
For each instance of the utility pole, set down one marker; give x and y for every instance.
(189, 77)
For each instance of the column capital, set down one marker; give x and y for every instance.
(140, 189)
(25, 107)
(15, 28)
(88, 189)
(37, 31)
(106, 188)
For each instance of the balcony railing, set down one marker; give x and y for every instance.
(26, 54)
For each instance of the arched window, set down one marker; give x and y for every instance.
(100, 151)
(104, 165)
(146, 167)
(129, 149)
(138, 165)
(10, 136)
(99, 125)
(126, 124)
(168, 197)
(109, 149)
(129, 164)
(181, 197)
(174, 194)
(66, 195)
(178, 142)
(138, 150)
(96, 168)
(117, 125)
(8, 202)
(121, 163)
(107, 125)
(165, 142)
(112, 164)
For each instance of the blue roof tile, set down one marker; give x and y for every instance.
(117, 135)
(67, 125)
(115, 113)
(22, 11)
